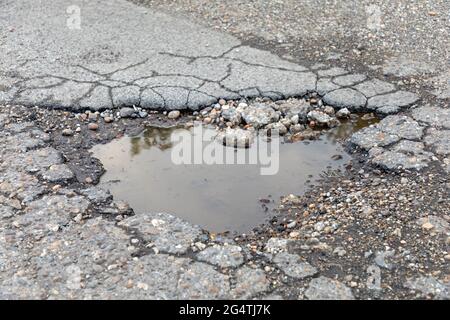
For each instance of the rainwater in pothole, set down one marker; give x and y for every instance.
(217, 197)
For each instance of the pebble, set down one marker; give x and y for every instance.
(92, 126)
(319, 117)
(126, 112)
(93, 116)
(343, 113)
(427, 226)
(296, 128)
(143, 114)
(329, 110)
(207, 120)
(291, 225)
(67, 132)
(175, 114)
(319, 226)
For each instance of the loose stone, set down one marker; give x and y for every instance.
(343, 113)
(127, 112)
(320, 117)
(108, 119)
(67, 132)
(258, 115)
(92, 126)
(175, 114)
(238, 138)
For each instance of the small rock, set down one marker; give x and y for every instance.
(291, 225)
(258, 115)
(67, 132)
(232, 115)
(427, 226)
(143, 114)
(329, 110)
(319, 226)
(343, 113)
(275, 129)
(127, 112)
(92, 116)
(339, 251)
(175, 114)
(319, 117)
(92, 126)
(294, 234)
(207, 120)
(296, 128)
(238, 138)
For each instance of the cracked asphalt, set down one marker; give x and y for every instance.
(162, 68)
(378, 230)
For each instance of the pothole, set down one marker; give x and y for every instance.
(224, 197)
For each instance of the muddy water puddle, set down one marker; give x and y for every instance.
(218, 197)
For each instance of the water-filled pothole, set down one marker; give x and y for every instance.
(217, 197)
